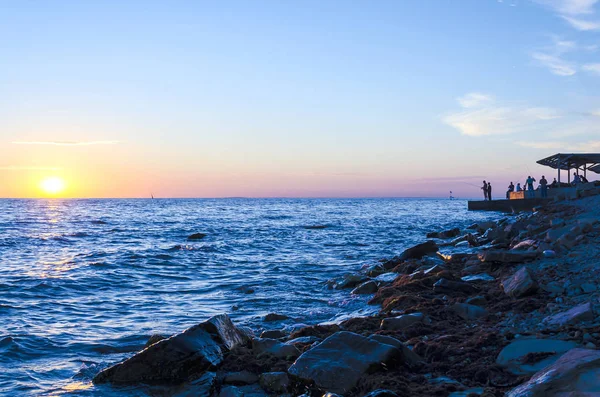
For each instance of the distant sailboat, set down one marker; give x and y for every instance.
(151, 195)
(451, 196)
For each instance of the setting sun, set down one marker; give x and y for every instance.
(52, 185)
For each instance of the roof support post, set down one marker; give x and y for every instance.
(558, 170)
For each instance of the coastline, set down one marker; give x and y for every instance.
(457, 321)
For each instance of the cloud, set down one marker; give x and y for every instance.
(66, 143)
(27, 168)
(596, 113)
(572, 12)
(557, 65)
(492, 118)
(582, 24)
(564, 146)
(592, 67)
(474, 99)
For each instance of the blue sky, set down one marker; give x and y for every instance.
(311, 98)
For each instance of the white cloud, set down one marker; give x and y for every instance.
(490, 118)
(556, 64)
(474, 99)
(66, 143)
(572, 12)
(27, 168)
(596, 113)
(592, 67)
(582, 24)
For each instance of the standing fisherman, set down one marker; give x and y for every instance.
(489, 191)
(544, 186)
(485, 190)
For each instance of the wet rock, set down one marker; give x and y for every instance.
(469, 312)
(588, 288)
(351, 281)
(524, 245)
(204, 386)
(475, 391)
(386, 277)
(577, 314)
(180, 357)
(576, 373)
(368, 287)
(275, 317)
(240, 378)
(409, 357)
(520, 284)
(445, 234)
(477, 301)
(477, 277)
(274, 382)
(273, 334)
(274, 347)
(153, 339)
(244, 391)
(443, 286)
(528, 356)
(500, 256)
(196, 236)
(303, 340)
(382, 393)
(337, 363)
(419, 251)
(483, 226)
(375, 270)
(231, 391)
(401, 322)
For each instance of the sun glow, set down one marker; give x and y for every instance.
(52, 185)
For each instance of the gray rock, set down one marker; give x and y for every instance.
(368, 287)
(231, 391)
(576, 373)
(351, 281)
(466, 393)
(180, 357)
(409, 357)
(240, 378)
(515, 357)
(500, 256)
(204, 386)
(273, 334)
(401, 322)
(386, 277)
(477, 301)
(520, 284)
(469, 312)
(303, 340)
(477, 277)
(577, 314)
(275, 317)
(274, 382)
(382, 393)
(153, 339)
(588, 288)
(419, 251)
(443, 286)
(337, 363)
(274, 347)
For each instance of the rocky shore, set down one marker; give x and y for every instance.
(511, 311)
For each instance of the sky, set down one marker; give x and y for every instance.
(269, 98)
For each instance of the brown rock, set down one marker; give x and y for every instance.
(520, 284)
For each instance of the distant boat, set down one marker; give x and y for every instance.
(451, 196)
(151, 195)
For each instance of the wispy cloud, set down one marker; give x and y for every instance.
(66, 143)
(592, 68)
(557, 145)
(27, 168)
(578, 13)
(493, 118)
(557, 65)
(474, 99)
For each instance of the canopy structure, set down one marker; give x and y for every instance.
(573, 161)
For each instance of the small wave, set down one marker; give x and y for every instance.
(77, 234)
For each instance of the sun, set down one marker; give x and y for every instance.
(52, 185)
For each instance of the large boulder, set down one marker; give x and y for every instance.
(180, 357)
(274, 347)
(419, 251)
(410, 358)
(575, 315)
(520, 284)
(528, 356)
(500, 256)
(576, 373)
(368, 287)
(337, 363)
(204, 386)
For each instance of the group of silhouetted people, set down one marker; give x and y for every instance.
(487, 190)
(543, 186)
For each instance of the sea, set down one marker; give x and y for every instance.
(84, 283)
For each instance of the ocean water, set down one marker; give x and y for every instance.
(84, 283)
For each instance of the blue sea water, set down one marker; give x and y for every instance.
(84, 283)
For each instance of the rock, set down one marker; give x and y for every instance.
(401, 322)
(337, 363)
(587, 224)
(445, 234)
(240, 378)
(274, 382)
(577, 314)
(483, 226)
(196, 236)
(576, 373)
(588, 288)
(444, 286)
(477, 301)
(524, 245)
(153, 339)
(419, 251)
(231, 391)
(275, 317)
(520, 284)
(382, 393)
(273, 334)
(368, 287)
(469, 312)
(549, 253)
(557, 222)
(375, 270)
(274, 347)
(501, 256)
(204, 386)
(527, 356)
(303, 340)
(478, 277)
(180, 357)
(475, 391)
(351, 281)
(409, 357)
(386, 277)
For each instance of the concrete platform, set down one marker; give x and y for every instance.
(506, 205)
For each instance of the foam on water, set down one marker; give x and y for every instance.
(83, 283)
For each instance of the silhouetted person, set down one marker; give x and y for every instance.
(519, 187)
(511, 188)
(554, 184)
(529, 183)
(485, 190)
(576, 179)
(583, 179)
(489, 190)
(544, 186)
